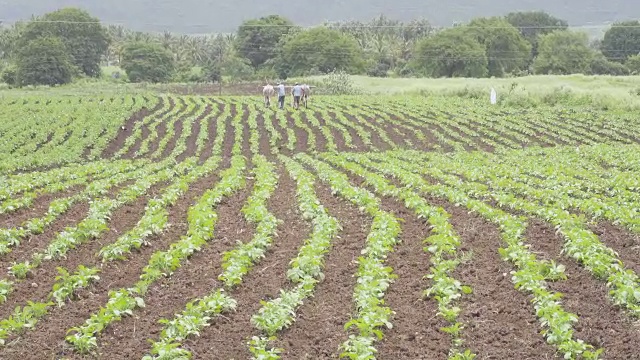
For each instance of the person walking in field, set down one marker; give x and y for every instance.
(281, 95)
(297, 94)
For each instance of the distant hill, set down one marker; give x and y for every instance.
(205, 16)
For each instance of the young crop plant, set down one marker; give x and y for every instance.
(529, 275)
(26, 317)
(239, 261)
(305, 270)
(93, 225)
(202, 220)
(373, 276)
(443, 245)
(190, 322)
(580, 242)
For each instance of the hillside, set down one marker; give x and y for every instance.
(197, 16)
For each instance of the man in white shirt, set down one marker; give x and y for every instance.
(297, 93)
(281, 95)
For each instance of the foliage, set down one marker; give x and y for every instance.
(621, 41)
(633, 64)
(322, 48)
(451, 53)
(147, 62)
(563, 52)
(43, 61)
(9, 75)
(386, 41)
(600, 65)
(338, 83)
(85, 40)
(533, 24)
(257, 38)
(507, 51)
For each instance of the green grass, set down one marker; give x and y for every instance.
(581, 90)
(603, 92)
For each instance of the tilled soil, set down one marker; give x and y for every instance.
(38, 208)
(600, 323)
(195, 278)
(117, 143)
(212, 129)
(500, 321)
(415, 333)
(227, 336)
(319, 327)
(47, 339)
(622, 241)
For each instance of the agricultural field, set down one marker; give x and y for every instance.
(175, 227)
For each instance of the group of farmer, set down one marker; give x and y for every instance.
(298, 92)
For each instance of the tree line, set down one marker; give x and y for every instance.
(69, 43)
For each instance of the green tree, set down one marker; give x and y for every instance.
(43, 61)
(319, 48)
(149, 62)
(83, 36)
(507, 51)
(600, 65)
(257, 39)
(621, 41)
(533, 24)
(563, 52)
(633, 64)
(450, 53)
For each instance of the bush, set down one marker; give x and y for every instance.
(380, 69)
(147, 62)
(601, 66)
(633, 64)
(339, 83)
(10, 75)
(44, 61)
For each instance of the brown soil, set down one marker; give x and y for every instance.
(195, 131)
(38, 209)
(123, 134)
(226, 338)
(338, 139)
(35, 243)
(195, 278)
(178, 128)
(500, 322)
(321, 140)
(265, 146)
(599, 322)
(302, 137)
(415, 333)
(622, 241)
(318, 331)
(47, 340)
(212, 129)
(145, 134)
(246, 132)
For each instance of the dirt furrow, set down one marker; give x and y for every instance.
(226, 338)
(127, 129)
(47, 340)
(622, 241)
(38, 209)
(194, 279)
(319, 327)
(599, 322)
(212, 128)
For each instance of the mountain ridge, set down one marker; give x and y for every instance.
(193, 16)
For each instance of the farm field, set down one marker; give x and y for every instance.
(174, 227)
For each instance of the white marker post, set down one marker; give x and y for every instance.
(494, 96)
